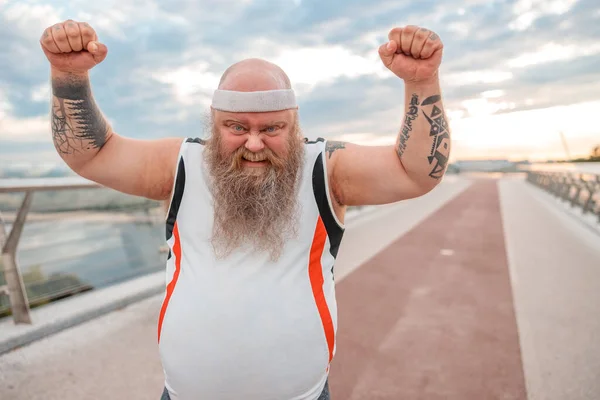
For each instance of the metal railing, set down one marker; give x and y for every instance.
(578, 189)
(62, 258)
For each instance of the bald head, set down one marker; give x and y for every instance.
(254, 74)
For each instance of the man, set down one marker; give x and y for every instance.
(255, 214)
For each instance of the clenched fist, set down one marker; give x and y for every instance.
(72, 47)
(412, 53)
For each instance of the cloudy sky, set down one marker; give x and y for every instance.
(515, 73)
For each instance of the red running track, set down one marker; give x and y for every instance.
(416, 322)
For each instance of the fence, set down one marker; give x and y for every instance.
(579, 189)
(78, 236)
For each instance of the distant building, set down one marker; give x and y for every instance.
(485, 166)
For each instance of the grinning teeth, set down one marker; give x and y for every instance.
(254, 158)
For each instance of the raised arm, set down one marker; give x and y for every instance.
(81, 134)
(362, 175)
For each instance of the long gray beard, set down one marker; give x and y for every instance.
(259, 209)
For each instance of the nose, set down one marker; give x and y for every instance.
(254, 143)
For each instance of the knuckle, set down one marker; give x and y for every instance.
(59, 39)
(86, 33)
(86, 30)
(47, 40)
(421, 35)
(394, 32)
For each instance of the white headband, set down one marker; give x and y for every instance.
(260, 101)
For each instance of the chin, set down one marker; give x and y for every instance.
(256, 170)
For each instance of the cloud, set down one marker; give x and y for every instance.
(536, 131)
(527, 11)
(552, 51)
(165, 59)
(191, 84)
(366, 139)
(477, 76)
(30, 20)
(25, 129)
(41, 93)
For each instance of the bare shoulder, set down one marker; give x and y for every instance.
(332, 146)
(136, 166)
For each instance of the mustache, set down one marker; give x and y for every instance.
(264, 155)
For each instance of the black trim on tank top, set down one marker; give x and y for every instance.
(176, 200)
(317, 140)
(334, 231)
(196, 140)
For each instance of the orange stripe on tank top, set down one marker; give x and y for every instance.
(315, 272)
(171, 285)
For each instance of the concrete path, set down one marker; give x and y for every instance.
(555, 269)
(112, 357)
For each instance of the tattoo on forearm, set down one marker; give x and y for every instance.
(411, 115)
(77, 123)
(332, 146)
(63, 135)
(431, 100)
(440, 149)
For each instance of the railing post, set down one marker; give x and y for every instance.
(575, 199)
(569, 187)
(14, 282)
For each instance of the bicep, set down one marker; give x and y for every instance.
(370, 175)
(143, 168)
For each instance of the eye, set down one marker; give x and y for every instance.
(272, 129)
(238, 128)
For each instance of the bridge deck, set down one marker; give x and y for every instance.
(431, 316)
(482, 290)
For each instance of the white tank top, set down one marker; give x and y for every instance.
(245, 327)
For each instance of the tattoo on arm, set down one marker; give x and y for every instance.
(439, 154)
(332, 146)
(77, 122)
(431, 100)
(411, 115)
(439, 131)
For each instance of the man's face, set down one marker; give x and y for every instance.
(254, 160)
(256, 140)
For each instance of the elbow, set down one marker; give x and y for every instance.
(425, 186)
